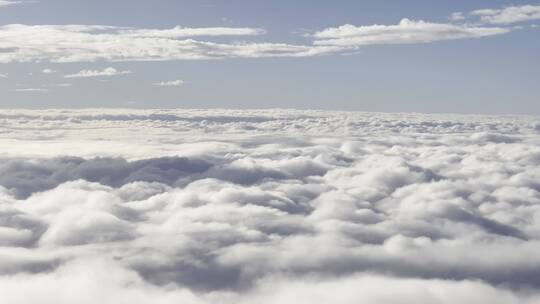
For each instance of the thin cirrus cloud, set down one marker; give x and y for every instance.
(172, 83)
(31, 90)
(182, 32)
(407, 31)
(457, 16)
(61, 85)
(107, 72)
(7, 2)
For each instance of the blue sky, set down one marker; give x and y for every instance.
(448, 56)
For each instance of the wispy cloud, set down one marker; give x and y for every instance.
(8, 2)
(86, 43)
(3, 75)
(31, 90)
(457, 16)
(172, 83)
(407, 31)
(182, 32)
(89, 43)
(107, 72)
(48, 71)
(508, 15)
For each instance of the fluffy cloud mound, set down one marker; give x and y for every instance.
(210, 206)
(508, 15)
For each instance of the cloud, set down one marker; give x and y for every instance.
(182, 32)
(84, 43)
(230, 206)
(508, 15)
(106, 72)
(115, 284)
(407, 31)
(3, 75)
(172, 83)
(89, 43)
(27, 177)
(31, 90)
(48, 71)
(457, 16)
(8, 2)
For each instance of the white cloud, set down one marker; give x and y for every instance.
(172, 83)
(8, 2)
(104, 281)
(457, 16)
(87, 43)
(407, 31)
(508, 15)
(182, 32)
(48, 71)
(228, 206)
(106, 72)
(78, 43)
(31, 90)
(3, 75)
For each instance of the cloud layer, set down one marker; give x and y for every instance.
(8, 2)
(268, 206)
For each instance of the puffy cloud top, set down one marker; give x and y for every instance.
(213, 206)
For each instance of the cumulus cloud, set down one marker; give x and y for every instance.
(508, 15)
(106, 72)
(115, 284)
(172, 83)
(206, 206)
(26, 177)
(407, 31)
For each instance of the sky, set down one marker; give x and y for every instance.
(388, 56)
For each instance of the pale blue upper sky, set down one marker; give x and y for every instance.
(466, 56)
